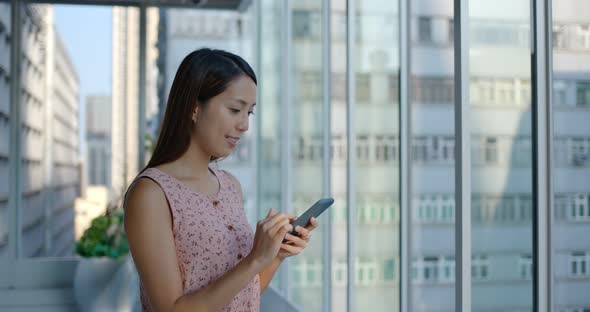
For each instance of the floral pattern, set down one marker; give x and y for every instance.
(211, 234)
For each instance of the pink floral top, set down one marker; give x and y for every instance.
(211, 235)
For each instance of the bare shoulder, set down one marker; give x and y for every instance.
(145, 199)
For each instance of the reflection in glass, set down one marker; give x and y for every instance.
(307, 130)
(339, 177)
(376, 155)
(501, 155)
(571, 157)
(432, 258)
(269, 112)
(5, 82)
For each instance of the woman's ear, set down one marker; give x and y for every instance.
(195, 114)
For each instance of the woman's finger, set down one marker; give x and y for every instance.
(313, 223)
(296, 241)
(303, 232)
(293, 250)
(271, 221)
(271, 213)
(279, 226)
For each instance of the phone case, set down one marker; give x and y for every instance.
(314, 211)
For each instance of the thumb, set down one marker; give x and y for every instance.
(271, 213)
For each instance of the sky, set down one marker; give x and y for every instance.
(86, 32)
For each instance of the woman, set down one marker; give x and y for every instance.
(185, 221)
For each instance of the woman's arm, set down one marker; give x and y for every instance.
(268, 272)
(148, 224)
(293, 247)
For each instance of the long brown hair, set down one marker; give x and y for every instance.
(202, 75)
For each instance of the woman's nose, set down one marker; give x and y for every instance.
(244, 124)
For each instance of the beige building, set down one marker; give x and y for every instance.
(125, 118)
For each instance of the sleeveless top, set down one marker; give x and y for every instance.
(211, 235)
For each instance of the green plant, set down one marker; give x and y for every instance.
(105, 237)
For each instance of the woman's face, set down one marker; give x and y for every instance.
(225, 118)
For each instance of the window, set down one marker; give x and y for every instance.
(505, 92)
(433, 269)
(447, 147)
(583, 36)
(390, 206)
(448, 209)
(559, 93)
(525, 204)
(434, 208)
(559, 37)
(525, 267)
(338, 149)
(480, 268)
(424, 29)
(419, 149)
(386, 148)
(432, 90)
(491, 151)
(338, 212)
(366, 272)
(389, 271)
(447, 269)
(580, 207)
(522, 151)
(583, 94)
(579, 262)
(363, 87)
(580, 151)
(362, 148)
(339, 273)
(430, 269)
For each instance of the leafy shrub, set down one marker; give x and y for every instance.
(105, 237)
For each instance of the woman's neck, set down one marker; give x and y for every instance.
(193, 164)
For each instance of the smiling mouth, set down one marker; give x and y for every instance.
(232, 140)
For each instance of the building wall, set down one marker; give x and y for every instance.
(5, 82)
(98, 136)
(49, 134)
(125, 118)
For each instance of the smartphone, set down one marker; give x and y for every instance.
(313, 211)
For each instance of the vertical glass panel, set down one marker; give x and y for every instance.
(339, 177)
(306, 146)
(376, 155)
(5, 83)
(432, 213)
(269, 110)
(501, 157)
(571, 156)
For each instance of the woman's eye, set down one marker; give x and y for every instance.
(235, 111)
(250, 113)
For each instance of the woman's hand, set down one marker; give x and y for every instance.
(296, 244)
(270, 233)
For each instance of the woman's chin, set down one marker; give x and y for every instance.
(222, 154)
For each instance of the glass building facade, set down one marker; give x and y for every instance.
(454, 137)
